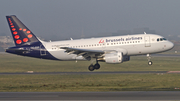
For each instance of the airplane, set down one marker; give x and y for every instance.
(113, 50)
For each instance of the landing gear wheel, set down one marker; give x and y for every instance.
(91, 67)
(149, 60)
(150, 63)
(96, 66)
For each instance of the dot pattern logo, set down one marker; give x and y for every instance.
(15, 33)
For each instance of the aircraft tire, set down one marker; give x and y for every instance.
(150, 63)
(96, 66)
(91, 68)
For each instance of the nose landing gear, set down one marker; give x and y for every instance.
(150, 63)
(149, 59)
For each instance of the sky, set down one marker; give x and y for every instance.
(63, 19)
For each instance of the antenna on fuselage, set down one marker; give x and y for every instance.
(71, 38)
(144, 32)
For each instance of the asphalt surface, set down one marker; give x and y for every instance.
(119, 72)
(129, 95)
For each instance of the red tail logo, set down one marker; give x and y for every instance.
(101, 41)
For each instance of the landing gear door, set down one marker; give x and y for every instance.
(147, 41)
(42, 50)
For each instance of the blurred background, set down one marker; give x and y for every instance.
(65, 19)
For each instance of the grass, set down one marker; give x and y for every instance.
(99, 82)
(14, 63)
(95, 82)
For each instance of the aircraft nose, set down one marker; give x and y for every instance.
(170, 45)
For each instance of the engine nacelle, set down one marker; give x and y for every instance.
(114, 57)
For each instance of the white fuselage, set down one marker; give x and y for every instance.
(128, 44)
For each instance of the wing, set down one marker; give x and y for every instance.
(86, 53)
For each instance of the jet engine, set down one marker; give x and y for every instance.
(115, 58)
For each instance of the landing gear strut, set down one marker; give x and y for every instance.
(149, 59)
(93, 67)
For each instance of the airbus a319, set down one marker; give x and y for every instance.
(114, 49)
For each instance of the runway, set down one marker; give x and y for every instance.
(129, 95)
(69, 73)
(124, 95)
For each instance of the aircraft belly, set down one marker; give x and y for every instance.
(61, 55)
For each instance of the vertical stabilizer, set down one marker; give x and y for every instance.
(20, 33)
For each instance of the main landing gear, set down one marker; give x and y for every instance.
(149, 59)
(93, 67)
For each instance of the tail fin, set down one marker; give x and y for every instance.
(20, 33)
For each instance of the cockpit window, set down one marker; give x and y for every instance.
(161, 39)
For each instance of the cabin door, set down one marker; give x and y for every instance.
(147, 41)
